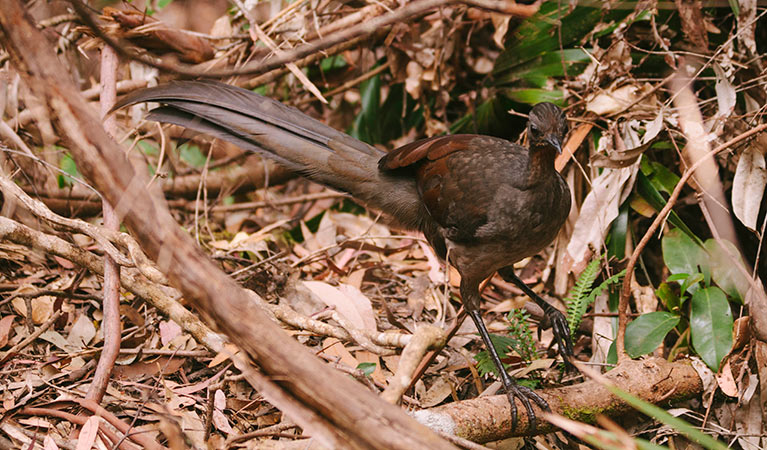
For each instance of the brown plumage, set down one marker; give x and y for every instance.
(483, 202)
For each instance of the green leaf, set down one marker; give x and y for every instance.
(490, 117)
(366, 126)
(646, 332)
(533, 96)
(727, 269)
(68, 165)
(691, 283)
(333, 62)
(680, 253)
(711, 325)
(670, 300)
(367, 368)
(678, 277)
(502, 344)
(192, 155)
(539, 35)
(616, 246)
(148, 147)
(577, 299)
(539, 70)
(612, 354)
(663, 179)
(651, 195)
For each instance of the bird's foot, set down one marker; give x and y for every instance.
(524, 394)
(558, 320)
(562, 335)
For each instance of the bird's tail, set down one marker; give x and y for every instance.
(261, 124)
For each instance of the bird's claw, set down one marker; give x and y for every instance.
(524, 394)
(562, 334)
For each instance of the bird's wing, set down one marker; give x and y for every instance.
(448, 171)
(431, 149)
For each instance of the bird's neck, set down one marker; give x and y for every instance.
(541, 164)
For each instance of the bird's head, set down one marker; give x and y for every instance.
(546, 127)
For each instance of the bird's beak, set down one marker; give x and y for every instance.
(555, 142)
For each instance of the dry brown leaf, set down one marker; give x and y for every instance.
(224, 355)
(616, 99)
(42, 308)
(726, 381)
(748, 186)
(219, 419)
(82, 332)
(6, 325)
(169, 330)
(88, 434)
(575, 140)
(599, 209)
(142, 369)
(726, 95)
(349, 301)
(438, 392)
(334, 347)
(49, 444)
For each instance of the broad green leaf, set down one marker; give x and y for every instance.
(490, 117)
(539, 70)
(670, 300)
(366, 126)
(691, 283)
(67, 165)
(367, 368)
(678, 277)
(533, 96)
(681, 254)
(663, 179)
(538, 34)
(646, 332)
(333, 62)
(148, 147)
(651, 195)
(711, 325)
(616, 245)
(727, 269)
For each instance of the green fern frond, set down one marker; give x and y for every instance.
(520, 341)
(519, 327)
(577, 299)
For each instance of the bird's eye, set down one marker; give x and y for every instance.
(534, 130)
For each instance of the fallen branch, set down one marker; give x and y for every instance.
(486, 419)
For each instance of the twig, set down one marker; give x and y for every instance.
(267, 431)
(111, 287)
(51, 292)
(29, 339)
(351, 83)
(256, 34)
(282, 202)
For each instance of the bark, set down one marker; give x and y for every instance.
(486, 419)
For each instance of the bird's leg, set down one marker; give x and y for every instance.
(558, 320)
(470, 296)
